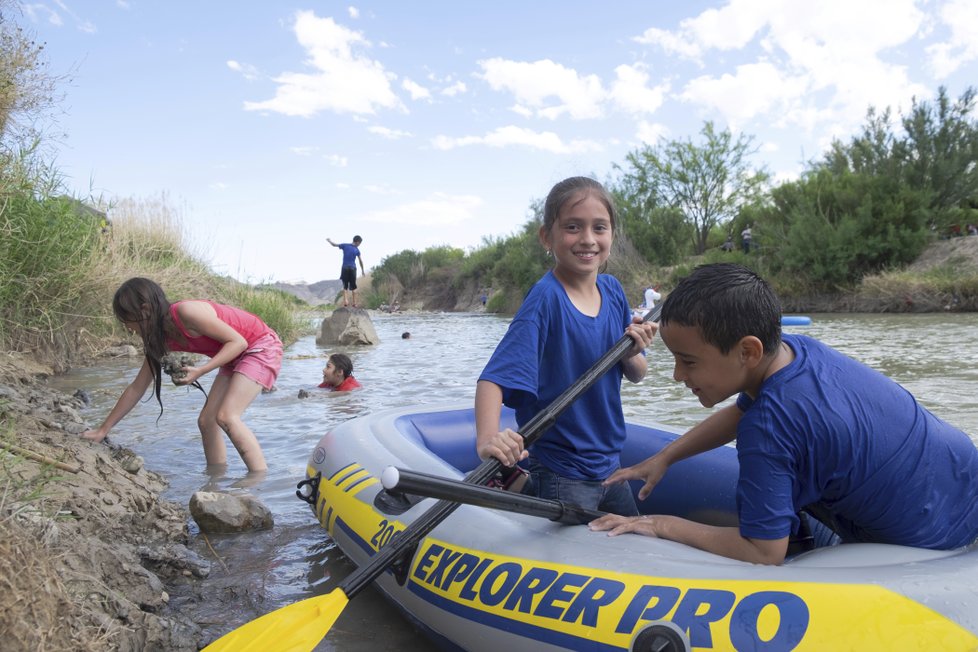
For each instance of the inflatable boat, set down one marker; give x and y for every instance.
(493, 580)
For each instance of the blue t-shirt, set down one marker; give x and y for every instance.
(548, 346)
(350, 253)
(831, 431)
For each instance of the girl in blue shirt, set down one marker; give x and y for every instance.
(569, 319)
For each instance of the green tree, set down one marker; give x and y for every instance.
(708, 183)
(940, 152)
(832, 228)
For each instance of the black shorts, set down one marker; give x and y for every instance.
(349, 277)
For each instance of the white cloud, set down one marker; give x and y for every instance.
(829, 53)
(246, 70)
(455, 89)
(631, 91)
(961, 18)
(353, 12)
(342, 81)
(439, 209)
(518, 136)
(753, 90)
(651, 132)
(416, 90)
(219, 186)
(336, 160)
(549, 88)
(390, 134)
(34, 12)
(672, 43)
(304, 150)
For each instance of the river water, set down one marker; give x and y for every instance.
(935, 356)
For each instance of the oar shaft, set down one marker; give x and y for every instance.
(433, 486)
(534, 428)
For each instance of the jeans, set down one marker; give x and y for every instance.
(544, 483)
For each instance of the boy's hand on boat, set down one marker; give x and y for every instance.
(615, 524)
(650, 472)
(506, 446)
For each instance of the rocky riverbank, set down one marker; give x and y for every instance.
(90, 556)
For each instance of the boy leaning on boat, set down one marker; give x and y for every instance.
(819, 436)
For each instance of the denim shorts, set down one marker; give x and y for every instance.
(544, 483)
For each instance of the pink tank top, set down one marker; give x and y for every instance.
(249, 326)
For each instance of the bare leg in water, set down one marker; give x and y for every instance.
(229, 397)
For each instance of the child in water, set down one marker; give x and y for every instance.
(246, 351)
(338, 374)
(570, 318)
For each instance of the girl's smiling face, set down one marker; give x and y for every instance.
(581, 236)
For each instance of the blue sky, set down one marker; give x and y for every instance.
(271, 126)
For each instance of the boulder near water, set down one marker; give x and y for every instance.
(347, 326)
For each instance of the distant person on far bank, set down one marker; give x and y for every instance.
(338, 374)
(745, 239)
(247, 353)
(651, 296)
(348, 271)
(728, 244)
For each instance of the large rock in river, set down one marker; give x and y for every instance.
(220, 512)
(347, 326)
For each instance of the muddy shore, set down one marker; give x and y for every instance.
(91, 558)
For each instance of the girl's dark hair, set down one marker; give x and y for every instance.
(572, 188)
(143, 301)
(342, 362)
(727, 302)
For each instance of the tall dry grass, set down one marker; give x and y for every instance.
(62, 260)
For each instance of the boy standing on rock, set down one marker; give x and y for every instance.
(348, 272)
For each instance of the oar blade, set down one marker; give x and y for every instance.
(297, 627)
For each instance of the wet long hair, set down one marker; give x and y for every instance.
(727, 302)
(342, 362)
(576, 189)
(143, 301)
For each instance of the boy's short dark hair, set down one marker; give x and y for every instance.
(727, 302)
(357, 239)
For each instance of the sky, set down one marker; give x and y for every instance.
(271, 126)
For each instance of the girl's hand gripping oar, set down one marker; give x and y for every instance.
(301, 625)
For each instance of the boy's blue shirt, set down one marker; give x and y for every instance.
(548, 346)
(828, 429)
(350, 253)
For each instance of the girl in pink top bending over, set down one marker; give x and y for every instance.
(247, 352)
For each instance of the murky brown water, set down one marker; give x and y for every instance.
(934, 356)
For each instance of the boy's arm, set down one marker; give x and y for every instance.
(716, 430)
(362, 270)
(725, 541)
(331, 242)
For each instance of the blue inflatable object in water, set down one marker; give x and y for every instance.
(795, 320)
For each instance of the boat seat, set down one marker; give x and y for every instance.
(451, 434)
